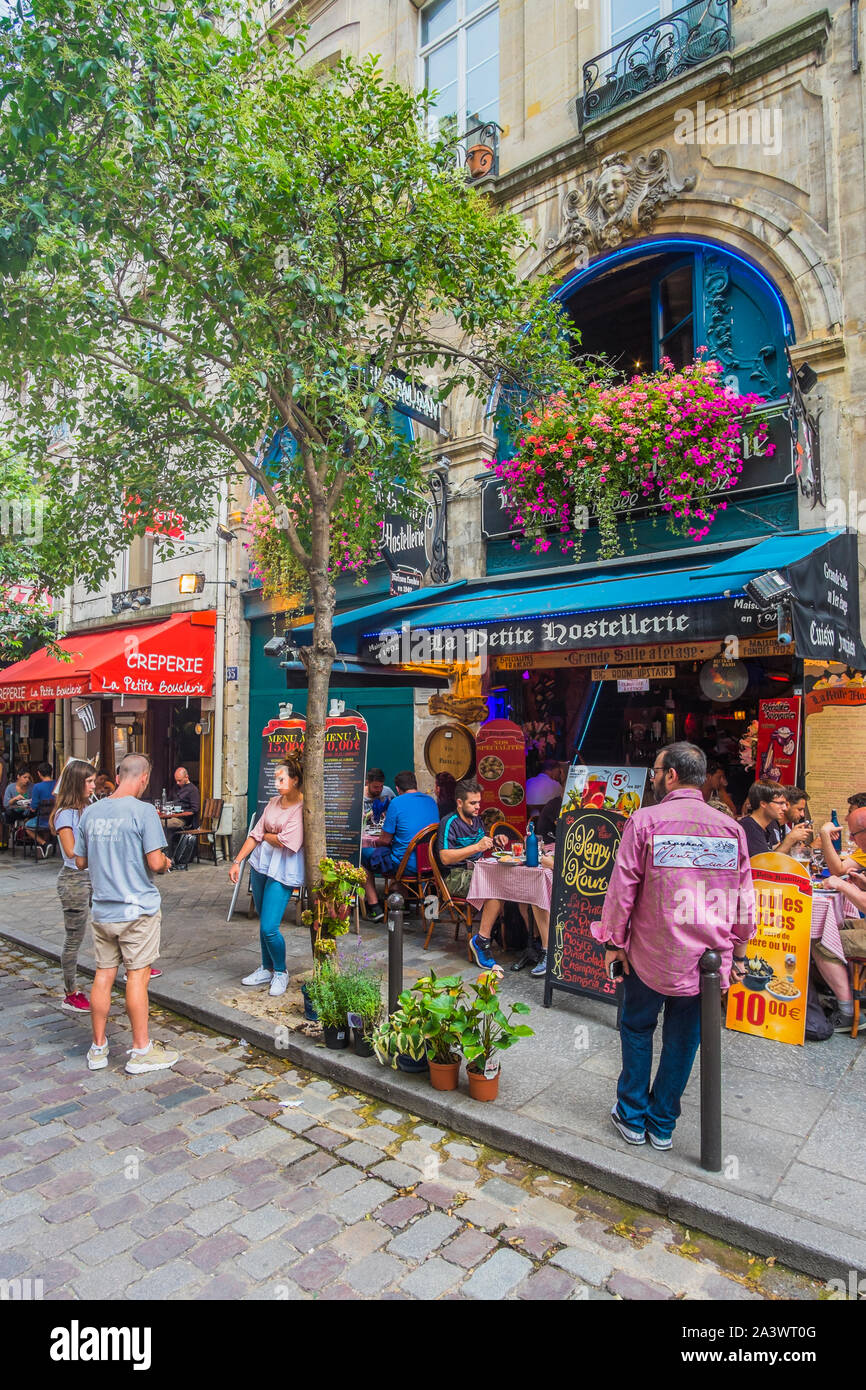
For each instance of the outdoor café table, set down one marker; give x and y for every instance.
(510, 883)
(829, 913)
(369, 839)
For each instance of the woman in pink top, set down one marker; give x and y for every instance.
(274, 847)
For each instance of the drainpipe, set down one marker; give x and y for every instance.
(220, 642)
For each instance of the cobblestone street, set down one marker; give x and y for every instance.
(235, 1176)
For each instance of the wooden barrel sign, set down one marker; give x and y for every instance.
(450, 748)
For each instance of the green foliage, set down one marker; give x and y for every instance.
(325, 996)
(360, 991)
(203, 241)
(488, 1028)
(333, 896)
(403, 1033)
(442, 1003)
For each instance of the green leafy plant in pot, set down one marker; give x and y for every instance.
(489, 1031)
(360, 987)
(443, 1005)
(326, 997)
(333, 897)
(399, 1041)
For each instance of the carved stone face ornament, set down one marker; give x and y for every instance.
(619, 202)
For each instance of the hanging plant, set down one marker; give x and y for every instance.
(356, 537)
(674, 438)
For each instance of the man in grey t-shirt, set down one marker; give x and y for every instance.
(120, 839)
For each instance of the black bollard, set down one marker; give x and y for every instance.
(394, 906)
(711, 1062)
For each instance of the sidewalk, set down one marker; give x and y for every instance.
(793, 1184)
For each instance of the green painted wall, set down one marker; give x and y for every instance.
(388, 712)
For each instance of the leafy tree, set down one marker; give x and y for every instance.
(203, 241)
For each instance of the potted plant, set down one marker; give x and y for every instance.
(333, 897)
(399, 1041)
(489, 1031)
(325, 996)
(360, 988)
(442, 1002)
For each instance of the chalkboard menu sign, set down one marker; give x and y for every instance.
(345, 774)
(586, 846)
(280, 739)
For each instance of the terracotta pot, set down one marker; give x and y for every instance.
(443, 1075)
(482, 1087)
(336, 1037)
(479, 160)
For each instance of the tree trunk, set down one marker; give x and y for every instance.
(319, 660)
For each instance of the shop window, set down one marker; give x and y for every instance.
(459, 59)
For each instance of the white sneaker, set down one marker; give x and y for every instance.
(97, 1057)
(280, 982)
(157, 1057)
(258, 977)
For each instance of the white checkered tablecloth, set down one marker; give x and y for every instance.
(829, 912)
(510, 883)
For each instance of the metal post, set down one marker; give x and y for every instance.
(711, 1062)
(394, 905)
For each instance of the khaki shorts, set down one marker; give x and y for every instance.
(853, 944)
(134, 943)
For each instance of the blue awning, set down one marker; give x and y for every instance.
(649, 602)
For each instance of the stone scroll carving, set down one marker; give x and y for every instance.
(617, 203)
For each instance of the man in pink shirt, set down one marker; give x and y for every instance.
(681, 885)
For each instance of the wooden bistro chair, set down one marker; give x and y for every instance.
(458, 909)
(414, 887)
(501, 827)
(206, 831)
(858, 981)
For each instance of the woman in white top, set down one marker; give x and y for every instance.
(275, 848)
(72, 793)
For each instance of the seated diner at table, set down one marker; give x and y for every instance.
(377, 796)
(765, 824)
(852, 935)
(409, 812)
(41, 795)
(841, 861)
(187, 798)
(17, 794)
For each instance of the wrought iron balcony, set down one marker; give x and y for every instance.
(129, 599)
(664, 50)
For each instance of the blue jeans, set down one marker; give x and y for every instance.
(656, 1108)
(270, 898)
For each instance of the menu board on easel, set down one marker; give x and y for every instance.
(281, 738)
(345, 774)
(586, 848)
(500, 758)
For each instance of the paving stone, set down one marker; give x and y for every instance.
(431, 1279)
(718, 1287)
(206, 1220)
(325, 1138)
(318, 1269)
(360, 1200)
(459, 1150)
(67, 1208)
(300, 1201)
(113, 1280)
(400, 1210)
(30, 1177)
(260, 1193)
(261, 1223)
(164, 1282)
(495, 1190)
(429, 1134)
(363, 1155)
(378, 1135)
(391, 1117)
(166, 1185)
(209, 1143)
(225, 1287)
(436, 1193)
(115, 1212)
(498, 1276)
(532, 1240)
(159, 1218)
(484, 1214)
(213, 1252)
(313, 1166)
(309, 1234)
(105, 1245)
(374, 1273)
(424, 1236)
(164, 1248)
(469, 1249)
(548, 1285)
(263, 1260)
(360, 1239)
(629, 1287)
(296, 1121)
(393, 1171)
(11, 1265)
(584, 1264)
(212, 1190)
(339, 1180)
(19, 1205)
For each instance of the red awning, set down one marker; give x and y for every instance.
(168, 659)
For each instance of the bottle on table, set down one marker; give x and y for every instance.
(531, 847)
